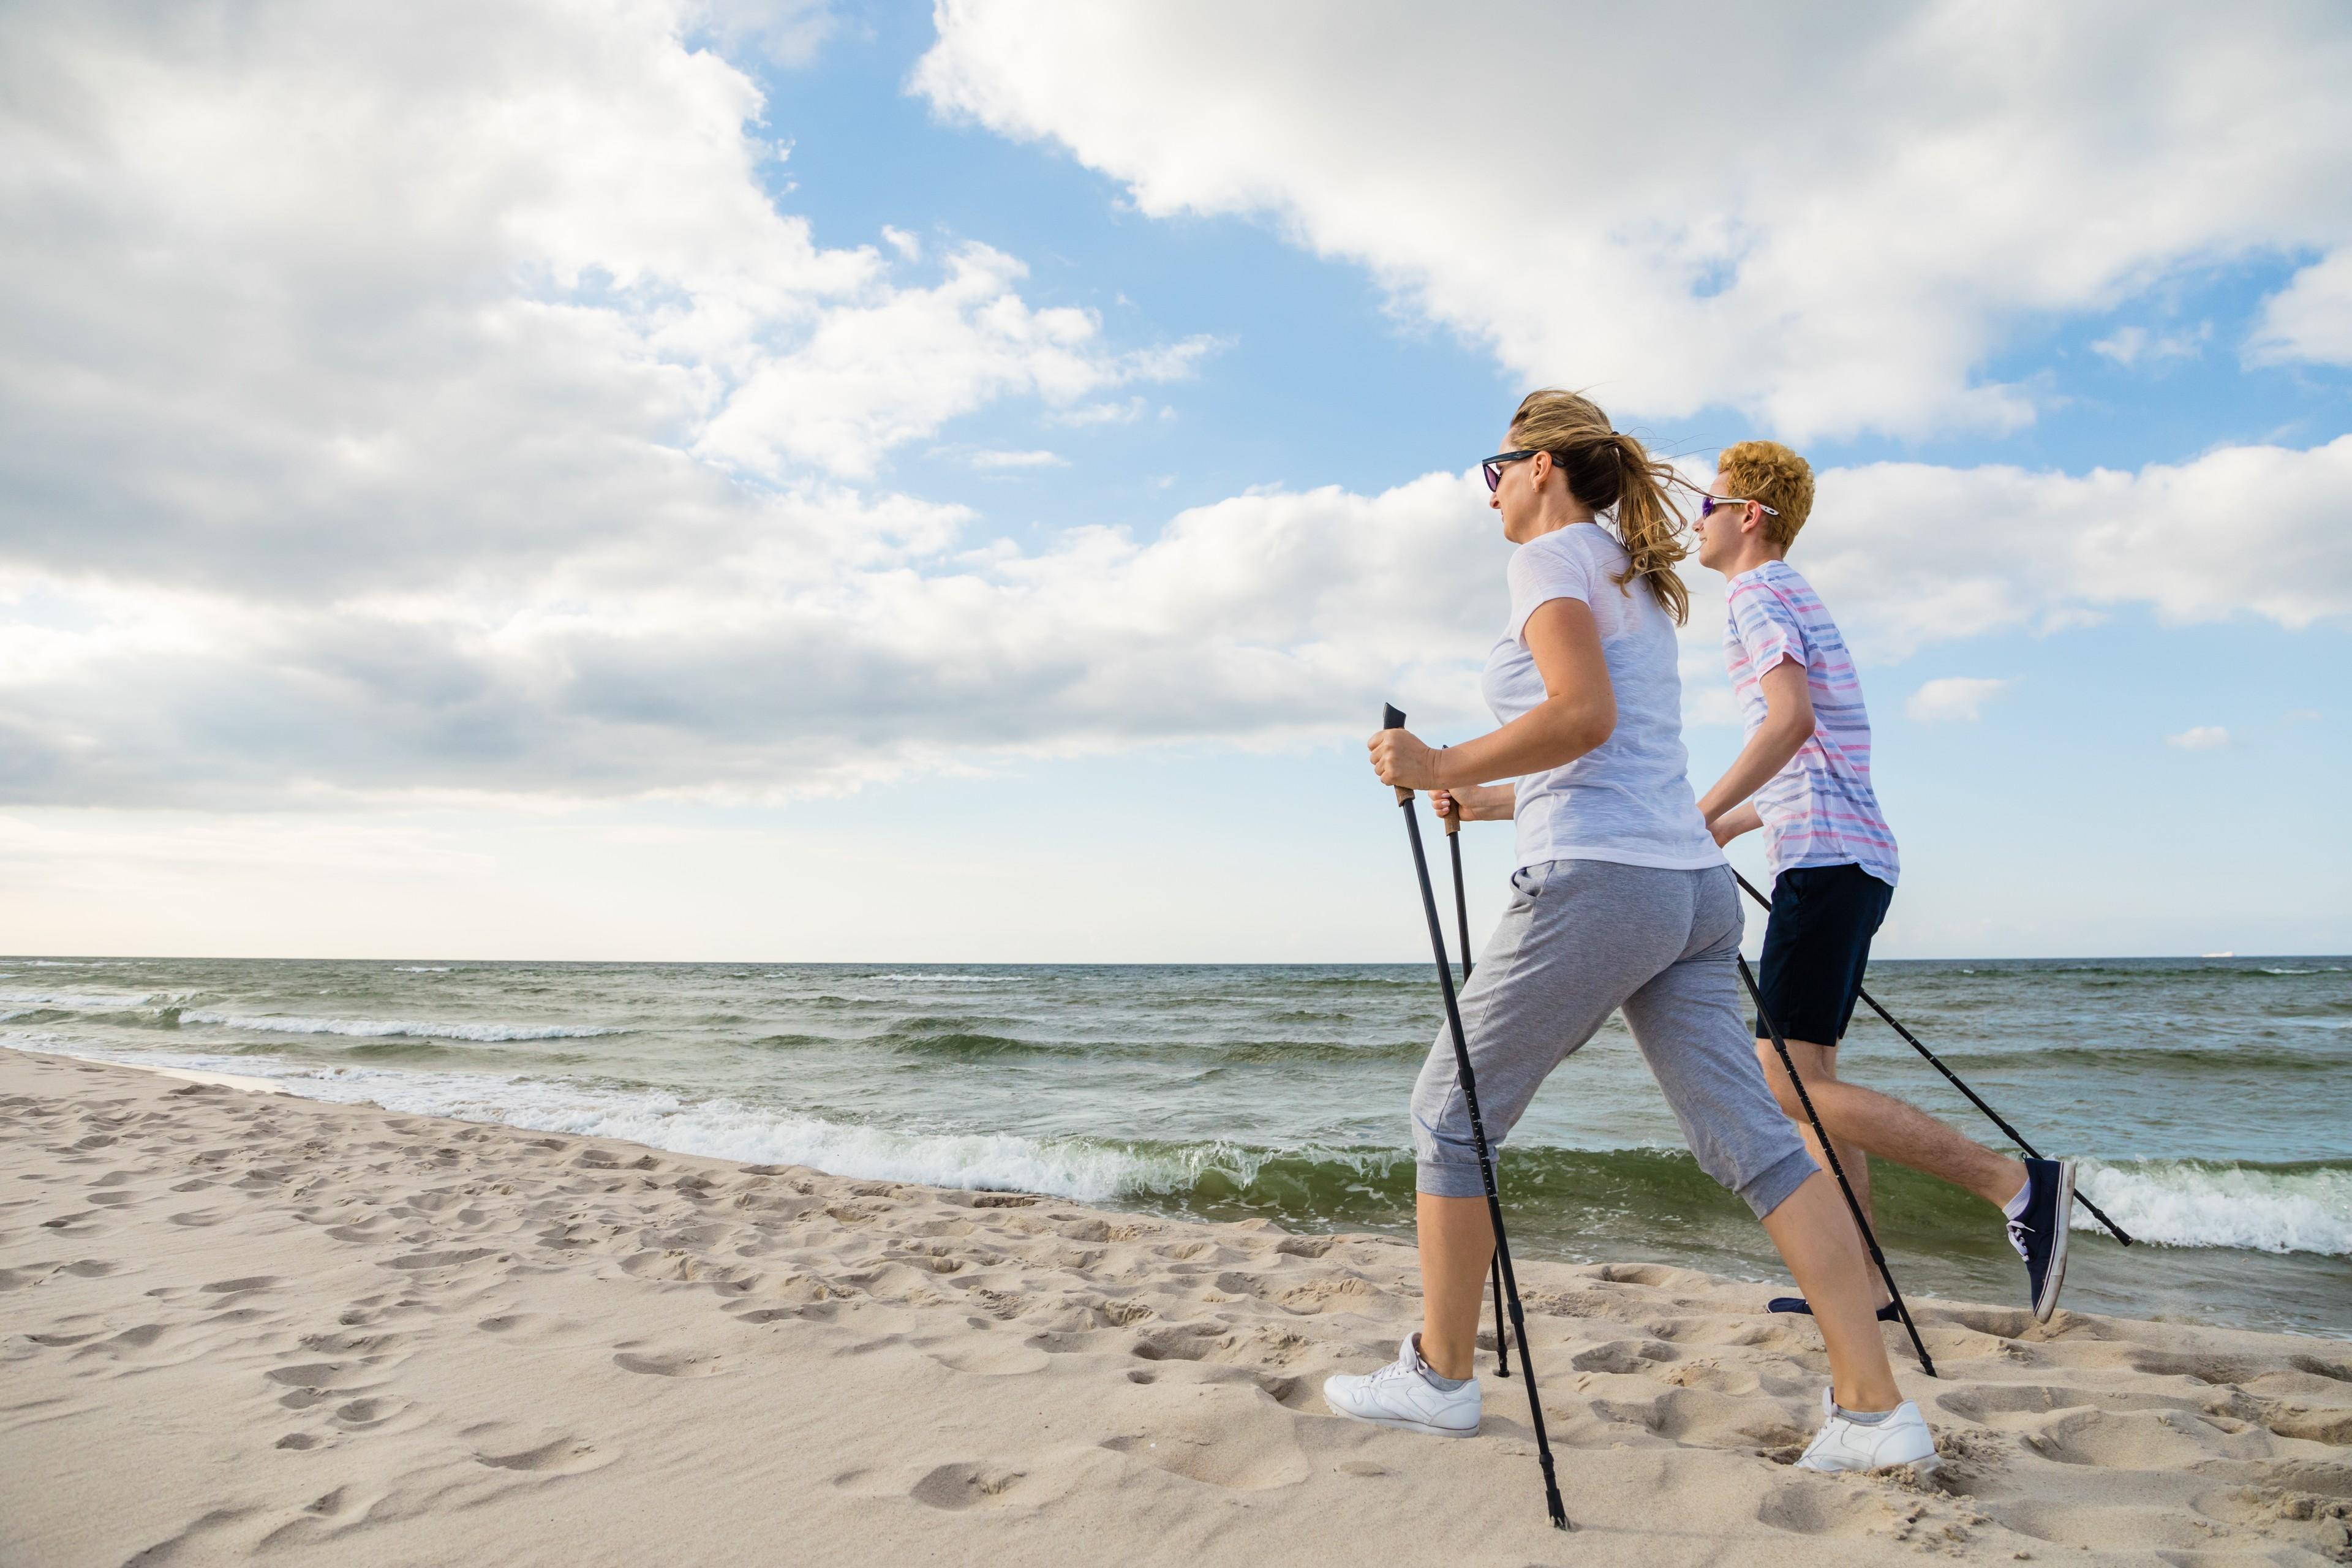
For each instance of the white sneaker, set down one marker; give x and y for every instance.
(1902, 1438)
(1397, 1395)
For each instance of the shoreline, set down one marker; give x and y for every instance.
(366, 1336)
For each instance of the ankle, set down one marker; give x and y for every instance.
(2006, 1185)
(1453, 1361)
(1866, 1398)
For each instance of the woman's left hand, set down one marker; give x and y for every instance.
(1403, 761)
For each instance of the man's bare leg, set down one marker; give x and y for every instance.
(1870, 1122)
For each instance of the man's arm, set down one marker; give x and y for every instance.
(1788, 725)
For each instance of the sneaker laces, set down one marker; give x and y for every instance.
(2018, 1231)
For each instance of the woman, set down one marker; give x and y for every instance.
(1619, 899)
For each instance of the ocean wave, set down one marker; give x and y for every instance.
(82, 1002)
(394, 1028)
(420, 969)
(731, 1129)
(950, 979)
(2326, 1056)
(2199, 1202)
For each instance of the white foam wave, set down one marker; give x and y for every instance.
(2192, 1203)
(953, 979)
(81, 1001)
(420, 968)
(396, 1028)
(723, 1129)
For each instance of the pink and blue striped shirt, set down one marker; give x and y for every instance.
(1820, 810)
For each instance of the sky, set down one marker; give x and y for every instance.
(697, 480)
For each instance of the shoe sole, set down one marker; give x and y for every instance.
(1923, 1468)
(2055, 1281)
(1423, 1428)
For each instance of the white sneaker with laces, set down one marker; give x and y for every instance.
(1397, 1395)
(1902, 1438)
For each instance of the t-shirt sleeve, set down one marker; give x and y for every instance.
(1547, 569)
(1768, 629)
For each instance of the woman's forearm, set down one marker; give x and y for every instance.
(1552, 734)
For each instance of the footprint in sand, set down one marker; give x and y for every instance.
(680, 1365)
(1219, 1435)
(557, 1456)
(358, 1415)
(1823, 1508)
(957, 1487)
(992, 1359)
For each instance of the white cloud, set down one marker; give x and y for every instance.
(2130, 346)
(873, 377)
(760, 666)
(1126, 413)
(2310, 318)
(339, 295)
(992, 459)
(1909, 553)
(1954, 696)
(2203, 738)
(439, 405)
(788, 32)
(1584, 201)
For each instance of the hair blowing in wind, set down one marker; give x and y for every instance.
(1611, 472)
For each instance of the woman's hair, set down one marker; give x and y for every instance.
(1770, 472)
(1608, 471)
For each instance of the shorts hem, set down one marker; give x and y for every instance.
(1780, 1178)
(1444, 1179)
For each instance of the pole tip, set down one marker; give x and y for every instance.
(1389, 718)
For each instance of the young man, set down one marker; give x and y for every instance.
(1804, 778)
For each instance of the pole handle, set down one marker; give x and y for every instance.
(1392, 718)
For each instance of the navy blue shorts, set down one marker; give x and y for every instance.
(1816, 945)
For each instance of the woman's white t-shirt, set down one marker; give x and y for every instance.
(1629, 799)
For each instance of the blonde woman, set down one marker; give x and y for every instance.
(1619, 899)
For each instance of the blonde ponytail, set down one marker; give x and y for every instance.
(1611, 472)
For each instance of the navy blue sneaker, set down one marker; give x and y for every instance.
(2040, 1232)
(1886, 1314)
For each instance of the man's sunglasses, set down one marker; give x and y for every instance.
(1494, 465)
(1708, 504)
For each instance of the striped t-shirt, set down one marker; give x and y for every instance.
(1820, 810)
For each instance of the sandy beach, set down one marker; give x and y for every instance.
(240, 1325)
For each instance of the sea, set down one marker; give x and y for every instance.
(2208, 1100)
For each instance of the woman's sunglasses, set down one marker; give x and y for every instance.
(1708, 504)
(1494, 465)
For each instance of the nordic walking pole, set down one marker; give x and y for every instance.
(1975, 1099)
(1462, 923)
(1392, 720)
(1828, 1150)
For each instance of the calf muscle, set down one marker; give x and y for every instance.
(1883, 1125)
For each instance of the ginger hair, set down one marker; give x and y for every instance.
(1770, 472)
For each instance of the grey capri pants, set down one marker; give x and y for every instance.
(1582, 939)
